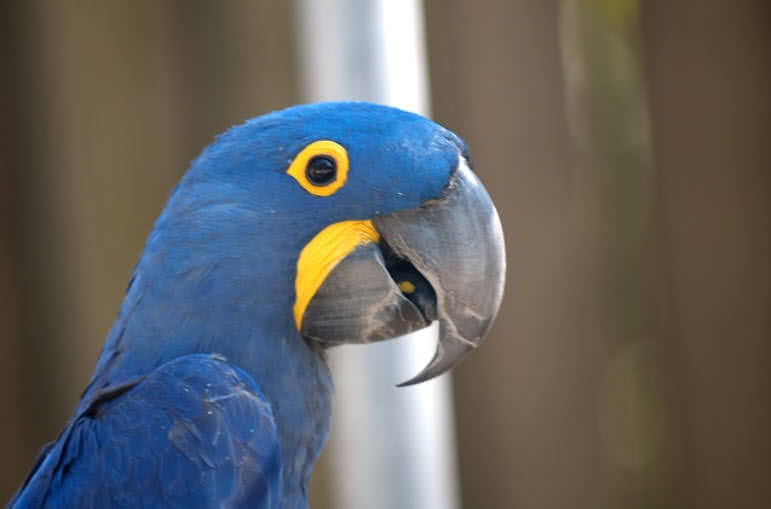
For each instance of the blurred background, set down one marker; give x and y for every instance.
(625, 143)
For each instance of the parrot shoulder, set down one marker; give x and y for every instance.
(196, 432)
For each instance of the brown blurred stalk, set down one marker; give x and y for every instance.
(607, 113)
(709, 65)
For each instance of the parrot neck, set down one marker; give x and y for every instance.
(224, 289)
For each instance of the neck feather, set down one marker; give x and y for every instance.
(216, 286)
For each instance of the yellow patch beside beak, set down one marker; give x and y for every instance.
(322, 254)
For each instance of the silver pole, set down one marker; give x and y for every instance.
(389, 447)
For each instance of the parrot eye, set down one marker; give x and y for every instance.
(321, 168)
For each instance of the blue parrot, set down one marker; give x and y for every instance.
(299, 230)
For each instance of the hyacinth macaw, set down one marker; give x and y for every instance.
(299, 230)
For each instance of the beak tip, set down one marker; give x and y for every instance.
(449, 353)
(421, 377)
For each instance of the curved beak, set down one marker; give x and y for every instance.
(456, 243)
(444, 260)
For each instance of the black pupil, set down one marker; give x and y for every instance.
(321, 170)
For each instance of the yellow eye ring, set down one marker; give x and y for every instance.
(326, 150)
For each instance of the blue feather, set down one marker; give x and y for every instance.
(158, 425)
(196, 432)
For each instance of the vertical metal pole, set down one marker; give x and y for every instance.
(389, 447)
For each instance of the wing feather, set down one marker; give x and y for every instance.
(195, 433)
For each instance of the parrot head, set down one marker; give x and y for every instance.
(370, 219)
